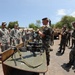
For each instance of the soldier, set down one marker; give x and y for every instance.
(4, 37)
(73, 38)
(27, 34)
(15, 35)
(45, 34)
(63, 40)
(72, 52)
(68, 38)
(9, 35)
(32, 35)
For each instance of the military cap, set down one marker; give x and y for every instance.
(4, 23)
(45, 18)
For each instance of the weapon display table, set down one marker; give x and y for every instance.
(12, 63)
(38, 63)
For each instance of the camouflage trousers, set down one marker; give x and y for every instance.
(62, 45)
(73, 42)
(14, 42)
(72, 56)
(46, 46)
(4, 47)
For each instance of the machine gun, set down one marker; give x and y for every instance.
(36, 44)
(24, 62)
(36, 36)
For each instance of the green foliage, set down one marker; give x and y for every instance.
(11, 24)
(35, 26)
(65, 20)
(38, 22)
(58, 25)
(52, 25)
(32, 25)
(0, 26)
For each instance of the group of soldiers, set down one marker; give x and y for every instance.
(65, 39)
(14, 36)
(9, 37)
(68, 39)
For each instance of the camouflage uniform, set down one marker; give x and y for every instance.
(15, 35)
(63, 41)
(46, 42)
(73, 38)
(27, 35)
(68, 38)
(4, 39)
(72, 52)
(23, 36)
(45, 35)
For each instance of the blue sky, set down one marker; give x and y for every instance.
(28, 11)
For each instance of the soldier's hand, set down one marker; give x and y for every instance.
(41, 34)
(37, 30)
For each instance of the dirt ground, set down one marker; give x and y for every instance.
(57, 61)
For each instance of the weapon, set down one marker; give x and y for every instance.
(36, 36)
(26, 65)
(36, 44)
(16, 49)
(22, 59)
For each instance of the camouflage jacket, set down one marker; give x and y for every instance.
(4, 36)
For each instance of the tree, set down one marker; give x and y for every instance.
(58, 25)
(32, 25)
(65, 20)
(36, 25)
(52, 25)
(38, 22)
(11, 24)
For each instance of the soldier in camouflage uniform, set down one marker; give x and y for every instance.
(72, 52)
(4, 37)
(27, 34)
(45, 34)
(15, 35)
(63, 40)
(73, 39)
(68, 37)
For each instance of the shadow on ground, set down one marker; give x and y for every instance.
(68, 68)
(65, 68)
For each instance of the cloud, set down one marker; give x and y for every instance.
(73, 14)
(57, 19)
(61, 12)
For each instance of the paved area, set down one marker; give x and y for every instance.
(57, 61)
